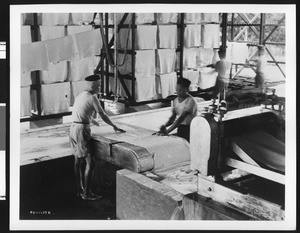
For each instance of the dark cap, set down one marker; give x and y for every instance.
(184, 82)
(92, 78)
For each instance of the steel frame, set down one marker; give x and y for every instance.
(261, 34)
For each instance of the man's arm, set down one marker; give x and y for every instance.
(178, 121)
(103, 115)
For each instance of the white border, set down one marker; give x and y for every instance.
(290, 221)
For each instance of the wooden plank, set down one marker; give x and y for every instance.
(197, 207)
(270, 175)
(242, 154)
(246, 203)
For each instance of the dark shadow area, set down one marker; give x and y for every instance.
(47, 191)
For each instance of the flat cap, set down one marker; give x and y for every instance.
(93, 77)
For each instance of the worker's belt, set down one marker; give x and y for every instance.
(78, 122)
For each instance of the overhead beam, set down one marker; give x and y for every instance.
(273, 30)
(244, 29)
(246, 19)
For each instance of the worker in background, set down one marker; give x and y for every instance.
(183, 111)
(261, 65)
(85, 107)
(223, 67)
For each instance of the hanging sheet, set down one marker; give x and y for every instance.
(34, 57)
(166, 60)
(57, 72)
(25, 35)
(89, 43)
(204, 57)
(237, 52)
(167, 36)
(76, 89)
(165, 18)
(53, 18)
(61, 49)
(211, 36)
(81, 18)
(193, 76)
(55, 98)
(192, 36)
(146, 36)
(80, 69)
(207, 78)
(167, 84)
(145, 88)
(25, 39)
(145, 63)
(72, 30)
(189, 58)
(192, 18)
(210, 17)
(143, 18)
(51, 32)
(25, 102)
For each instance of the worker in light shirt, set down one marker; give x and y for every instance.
(261, 65)
(85, 107)
(183, 111)
(223, 67)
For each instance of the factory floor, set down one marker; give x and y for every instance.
(44, 203)
(51, 195)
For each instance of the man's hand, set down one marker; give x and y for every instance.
(162, 131)
(119, 129)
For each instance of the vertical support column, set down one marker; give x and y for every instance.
(133, 58)
(106, 62)
(232, 19)
(115, 58)
(262, 28)
(224, 30)
(37, 73)
(182, 25)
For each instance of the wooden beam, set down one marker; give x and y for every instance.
(242, 31)
(246, 19)
(273, 30)
(242, 154)
(270, 175)
(246, 203)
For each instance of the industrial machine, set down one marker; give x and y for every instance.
(233, 167)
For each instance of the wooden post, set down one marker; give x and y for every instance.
(224, 30)
(133, 58)
(262, 28)
(182, 25)
(106, 62)
(37, 73)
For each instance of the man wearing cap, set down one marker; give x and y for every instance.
(183, 112)
(85, 106)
